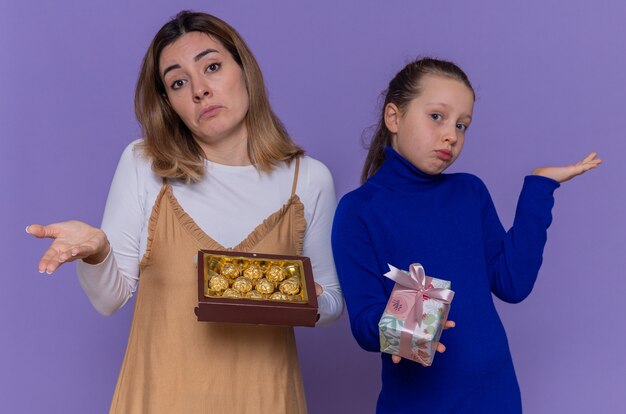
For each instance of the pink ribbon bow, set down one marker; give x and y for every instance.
(416, 281)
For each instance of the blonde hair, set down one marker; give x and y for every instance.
(168, 142)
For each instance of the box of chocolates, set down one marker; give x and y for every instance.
(253, 288)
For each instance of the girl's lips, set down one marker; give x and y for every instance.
(209, 111)
(444, 155)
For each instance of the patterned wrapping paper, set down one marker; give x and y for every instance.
(415, 314)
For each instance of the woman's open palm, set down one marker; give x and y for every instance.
(72, 240)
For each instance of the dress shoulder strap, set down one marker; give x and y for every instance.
(295, 177)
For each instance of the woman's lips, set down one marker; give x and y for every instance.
(209, 111)
(444, 155)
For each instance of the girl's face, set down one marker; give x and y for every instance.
(431, 131)
(205, 87)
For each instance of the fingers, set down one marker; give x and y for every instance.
(449, 324)
(54, 257)
(590, 157)
(396, 358)
(318, 289)
(591, 161)
(74, 253)
(562, 174)
(49, 261)
(40, 231)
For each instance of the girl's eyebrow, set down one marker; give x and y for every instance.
(437, 103)
(445, 105)
(195, 59)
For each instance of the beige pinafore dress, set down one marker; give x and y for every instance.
(177, 365)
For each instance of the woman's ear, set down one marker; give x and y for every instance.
(392, 117)
(166, 100)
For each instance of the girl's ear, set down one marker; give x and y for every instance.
(392, 117)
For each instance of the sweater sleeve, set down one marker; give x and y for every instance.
(321, 201)
(357, 268)
(514, 258)
(110, 284)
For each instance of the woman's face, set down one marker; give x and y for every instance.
(430, 132)
(206, 88)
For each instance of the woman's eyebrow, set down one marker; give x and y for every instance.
(203, 54)
(195, 58)
(170, 68)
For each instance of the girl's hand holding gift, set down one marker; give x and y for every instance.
(562, 174)
(440, 347)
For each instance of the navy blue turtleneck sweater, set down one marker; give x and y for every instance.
(448, 223)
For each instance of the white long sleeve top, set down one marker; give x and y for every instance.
(227, 204)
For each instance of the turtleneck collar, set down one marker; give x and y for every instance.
(397, 173)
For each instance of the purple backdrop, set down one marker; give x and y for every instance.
(550, 79)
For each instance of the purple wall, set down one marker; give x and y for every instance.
(551, 85)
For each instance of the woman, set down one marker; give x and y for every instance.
(216, 170)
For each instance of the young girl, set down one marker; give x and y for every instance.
(407, 211)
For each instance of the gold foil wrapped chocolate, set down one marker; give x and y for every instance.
(231, 293)
(253, 271)
(230, 270)
(218, 283)
(275, 273)
(290, 286)
(265, 286)
(253, 294)
(278, 296)
(242, 284)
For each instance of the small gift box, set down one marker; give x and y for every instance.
(415, 314)
(253, 288)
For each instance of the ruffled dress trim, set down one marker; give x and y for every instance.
(206, 241)
(152, 223)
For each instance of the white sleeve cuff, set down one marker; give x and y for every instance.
(330, 306)
(107, 289)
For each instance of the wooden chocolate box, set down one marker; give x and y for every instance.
(255, 288)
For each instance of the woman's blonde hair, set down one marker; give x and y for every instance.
(168, 142)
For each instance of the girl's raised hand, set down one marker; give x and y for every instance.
(72, 240)
(440, 347)
(562, 174)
